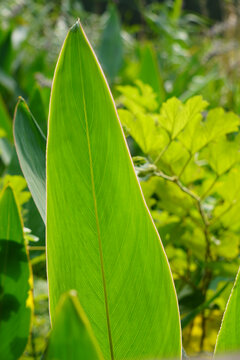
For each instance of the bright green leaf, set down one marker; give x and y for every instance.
(228, 339)
(71, 337)
(226, 246)
(229, 185)
(198, 133)
(177, 8)
(101, 239)
(145, 130)
(139, 98)
(174, 116)
(221, 155)
(31, 149)
(15, 281)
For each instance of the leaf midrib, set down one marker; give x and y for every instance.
(96, 209)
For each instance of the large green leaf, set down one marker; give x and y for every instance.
(101, 239)
(228, 339)
(15, 281)
(31, 149)
(71, 337)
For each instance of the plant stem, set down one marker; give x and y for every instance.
(210, 187)
(185, 165)
(36, 248)
(194, 196)
(162, 152)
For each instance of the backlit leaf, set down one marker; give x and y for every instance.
(221, 155)
(145, 131)
(15, 281)
(228, 339)
(139, 98)
(198, 133)
(174, 115)
(71, 337)
(31, 149)
(101, 239)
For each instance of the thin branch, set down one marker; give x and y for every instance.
(185, 165)
(175, 180)
(162, 152)
(36, 248)
(194, 196)
(210, 187)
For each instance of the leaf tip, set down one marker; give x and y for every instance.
(76, 27)
(21, 103)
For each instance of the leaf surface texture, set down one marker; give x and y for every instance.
(101, 239)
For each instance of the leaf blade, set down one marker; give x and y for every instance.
(228, 339)
(117, 301)
(71, 337)
(16, 301)
(31, 150)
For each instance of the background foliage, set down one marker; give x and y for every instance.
(162, 63)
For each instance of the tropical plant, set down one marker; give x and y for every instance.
(101, 240)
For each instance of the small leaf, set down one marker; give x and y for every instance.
(228, 339)
(221, 155)
(174, 116)
(71, 337)
(139, 98)
(16, 300)
(145, 131)
(31, 149)
(19, 185)
(198, 133)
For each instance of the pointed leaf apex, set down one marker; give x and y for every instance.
(77, 26)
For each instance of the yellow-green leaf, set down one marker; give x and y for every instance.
(101, 239)
(228, 339)
(71, 337)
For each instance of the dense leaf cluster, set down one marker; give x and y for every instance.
(188, 161)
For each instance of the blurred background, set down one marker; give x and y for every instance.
(180, 48)
(195, 42)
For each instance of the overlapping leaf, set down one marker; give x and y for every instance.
(31, 149)
(15, 281)
(71, 337)
(174, 115)
(229, 335)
